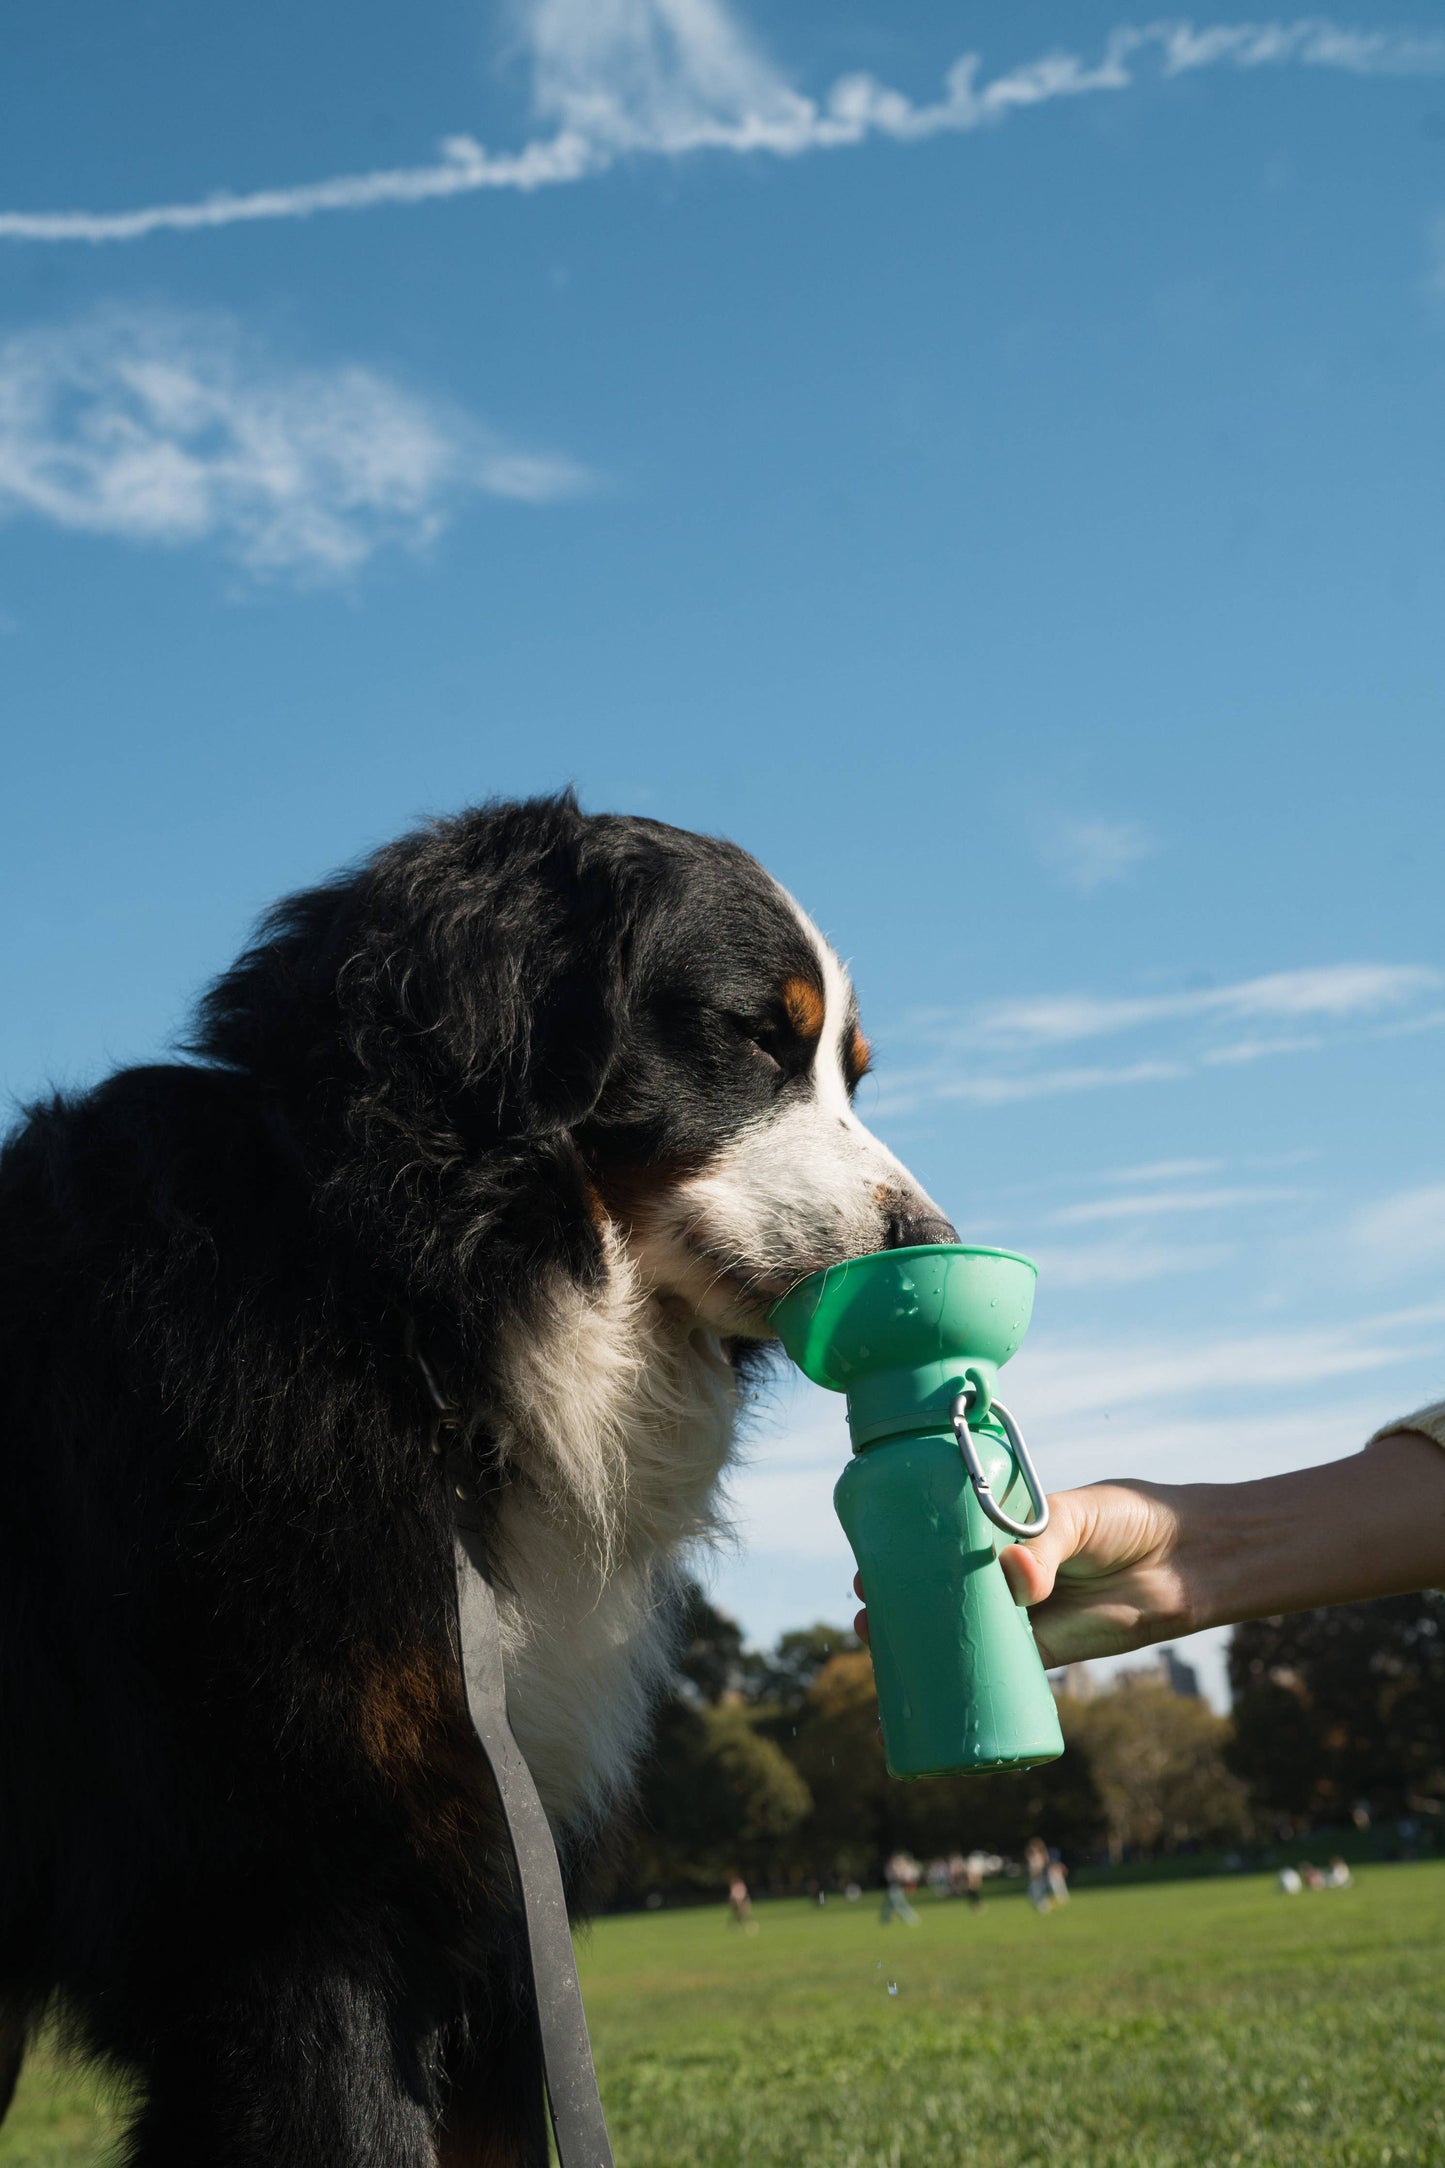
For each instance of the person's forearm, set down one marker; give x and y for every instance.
(1373, 1525)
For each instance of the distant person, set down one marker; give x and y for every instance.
(1339, 1876)
(900, 1878)
(1036, 1866)
(1289, 1882)
(740, 1906)
(1058, 1877)
(974, 1869)
(1125, 1563)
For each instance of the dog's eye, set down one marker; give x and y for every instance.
(763, 1040)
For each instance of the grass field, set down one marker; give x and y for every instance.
(1184, 2025)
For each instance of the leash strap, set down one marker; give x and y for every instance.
(578, 2123)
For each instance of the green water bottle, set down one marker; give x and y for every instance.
(939, 1480)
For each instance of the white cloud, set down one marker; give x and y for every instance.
(670, 77)
(1169, 1204)
(1406, 1232)
(168, 429)
(1093, 1266)
(655, 75)
(1067, 1380)
(1013, 1036)
(1089, 854)
(1332, 991)
(1164, 1170)
(1240, 1052)
(941, 1083)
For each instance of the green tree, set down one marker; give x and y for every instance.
(860, 1814)
(1338, 1705)
(710, 1661)
(714, 1797)
(1158, 1761)
(782, 1679)
(837, 1752)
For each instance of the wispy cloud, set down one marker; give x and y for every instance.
(998, 1054)
(1170, 1204)
(169, 429)
(902, 1089)
(1094, 1266)
(617, 78)
(1332, 991)
(1088, 854)
(1163, 1170)
(1406, 1232)
(1068, 1379)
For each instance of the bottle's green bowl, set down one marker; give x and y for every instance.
(909, 1306)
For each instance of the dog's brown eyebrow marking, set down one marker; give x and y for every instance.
(804, 1007)
(857, 1057)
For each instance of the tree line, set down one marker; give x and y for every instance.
(769, 1764)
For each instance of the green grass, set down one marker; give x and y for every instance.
(1184, 2025)
(62, 2117)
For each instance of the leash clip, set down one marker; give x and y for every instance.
(977, 1476)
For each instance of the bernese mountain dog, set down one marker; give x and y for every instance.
(558, 1105)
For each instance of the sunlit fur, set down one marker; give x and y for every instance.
(793, 1190)
(560, 1104)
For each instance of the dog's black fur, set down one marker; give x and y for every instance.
(246, 1839)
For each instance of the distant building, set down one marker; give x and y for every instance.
(1161, 1667)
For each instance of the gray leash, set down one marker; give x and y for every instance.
(578, 2124)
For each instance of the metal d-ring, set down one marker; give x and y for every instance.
(982, 1490)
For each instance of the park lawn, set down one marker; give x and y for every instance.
(1177, 2025)
(1182, 2025)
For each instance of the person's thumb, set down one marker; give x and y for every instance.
(1030, 1568)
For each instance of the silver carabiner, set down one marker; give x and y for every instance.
(982, 1490)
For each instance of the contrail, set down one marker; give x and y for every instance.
(756, 111)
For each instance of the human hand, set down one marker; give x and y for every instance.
(1122, 1564)
(1104, 1577)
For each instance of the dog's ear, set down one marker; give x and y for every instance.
(465, 986)
(564, 1000)
(503, 968)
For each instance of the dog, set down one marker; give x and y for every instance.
(554, 1106)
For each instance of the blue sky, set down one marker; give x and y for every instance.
(1005, 492)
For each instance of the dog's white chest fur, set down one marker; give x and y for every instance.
(616, 1423)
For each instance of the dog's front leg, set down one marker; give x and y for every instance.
(493, 2104)
(301, 2064)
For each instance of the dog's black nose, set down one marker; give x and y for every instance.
(905, 1228)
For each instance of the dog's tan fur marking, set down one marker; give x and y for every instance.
(410, 1720)
(804, 1007)
(858, 1056)
(403, 1708)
